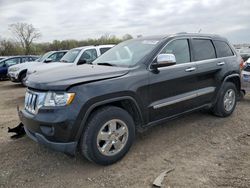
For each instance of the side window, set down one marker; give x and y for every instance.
(203, 49)
(60, 55)
(180, 48)
(103, 50)
(53, 57)
(89, 55)
(223, 49)
(25, 59)
(12, 61)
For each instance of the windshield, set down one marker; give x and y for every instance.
(127, 54)
(70, 56)
(45, 56)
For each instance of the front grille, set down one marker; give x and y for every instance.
(31, 102)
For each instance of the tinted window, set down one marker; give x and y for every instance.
(60, 55)
(103, 50)
(180, 48)
(89, 55)
(12, 61)
(203, 49)
(25, 59)
(222, 49)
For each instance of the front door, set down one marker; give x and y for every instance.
(173, 88)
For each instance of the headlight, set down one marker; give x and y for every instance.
(14, 69)
(58, 98)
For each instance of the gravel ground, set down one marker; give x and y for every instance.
(204, 150)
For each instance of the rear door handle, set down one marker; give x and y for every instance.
(191, 69)
(221, 63)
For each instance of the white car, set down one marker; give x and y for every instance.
(245, 77)
(17, 72)
(74, 57)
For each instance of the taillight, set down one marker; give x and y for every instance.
(242, 64)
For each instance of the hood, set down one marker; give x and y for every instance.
(62, 78)
(48, 66)
(26, 65)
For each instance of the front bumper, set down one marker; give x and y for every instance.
(50, 134)
(13, 77)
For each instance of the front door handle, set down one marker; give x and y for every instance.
(191, 69)
(221, 63)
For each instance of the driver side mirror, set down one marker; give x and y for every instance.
(164, 60)
(48, 60)
(81, 61)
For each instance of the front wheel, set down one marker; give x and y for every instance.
(108, 136)
(22, 79)
(227, 100)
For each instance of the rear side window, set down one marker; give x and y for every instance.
(223, 49)
(203, 49)
(180, 48)
(103, 50)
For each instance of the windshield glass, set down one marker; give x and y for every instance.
(70, 56)
(45, 56)
(127, 54)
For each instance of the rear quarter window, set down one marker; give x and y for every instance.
(203, 49)
(223, 49)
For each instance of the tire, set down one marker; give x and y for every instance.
(222, 108)
(101, 123)
(22, 77)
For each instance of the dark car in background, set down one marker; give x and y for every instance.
(10, 61)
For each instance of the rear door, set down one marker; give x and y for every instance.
(173, 88)
(209, 68)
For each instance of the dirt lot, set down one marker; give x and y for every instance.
(206, 151)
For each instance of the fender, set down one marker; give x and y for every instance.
(21, 72)
(223, 82)
(100, 103)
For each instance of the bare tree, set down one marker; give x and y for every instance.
(25, 33)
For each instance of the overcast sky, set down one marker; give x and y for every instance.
(82, 19)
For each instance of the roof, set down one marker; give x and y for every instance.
(184, 34)
(93, 46)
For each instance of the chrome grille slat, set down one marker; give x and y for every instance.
(31, 102)
(34, 101)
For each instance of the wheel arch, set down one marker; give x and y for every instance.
(21, 73)
(127, 103)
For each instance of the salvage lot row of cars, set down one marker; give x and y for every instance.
(96, 108)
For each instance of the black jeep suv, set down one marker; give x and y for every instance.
(97, 108)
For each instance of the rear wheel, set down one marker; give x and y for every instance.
(227, 100)
(108, 136)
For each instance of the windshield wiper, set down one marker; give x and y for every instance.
(106, 64)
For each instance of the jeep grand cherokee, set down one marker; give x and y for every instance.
(97, 108)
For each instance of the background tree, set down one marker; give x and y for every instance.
(25, 33)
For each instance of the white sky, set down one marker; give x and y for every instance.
(82, 19)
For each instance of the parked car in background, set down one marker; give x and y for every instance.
(3, 57)
(245, 77)
(11, 61)
(17, 73)
(138, 83)
(244, 53)
(75, 56)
